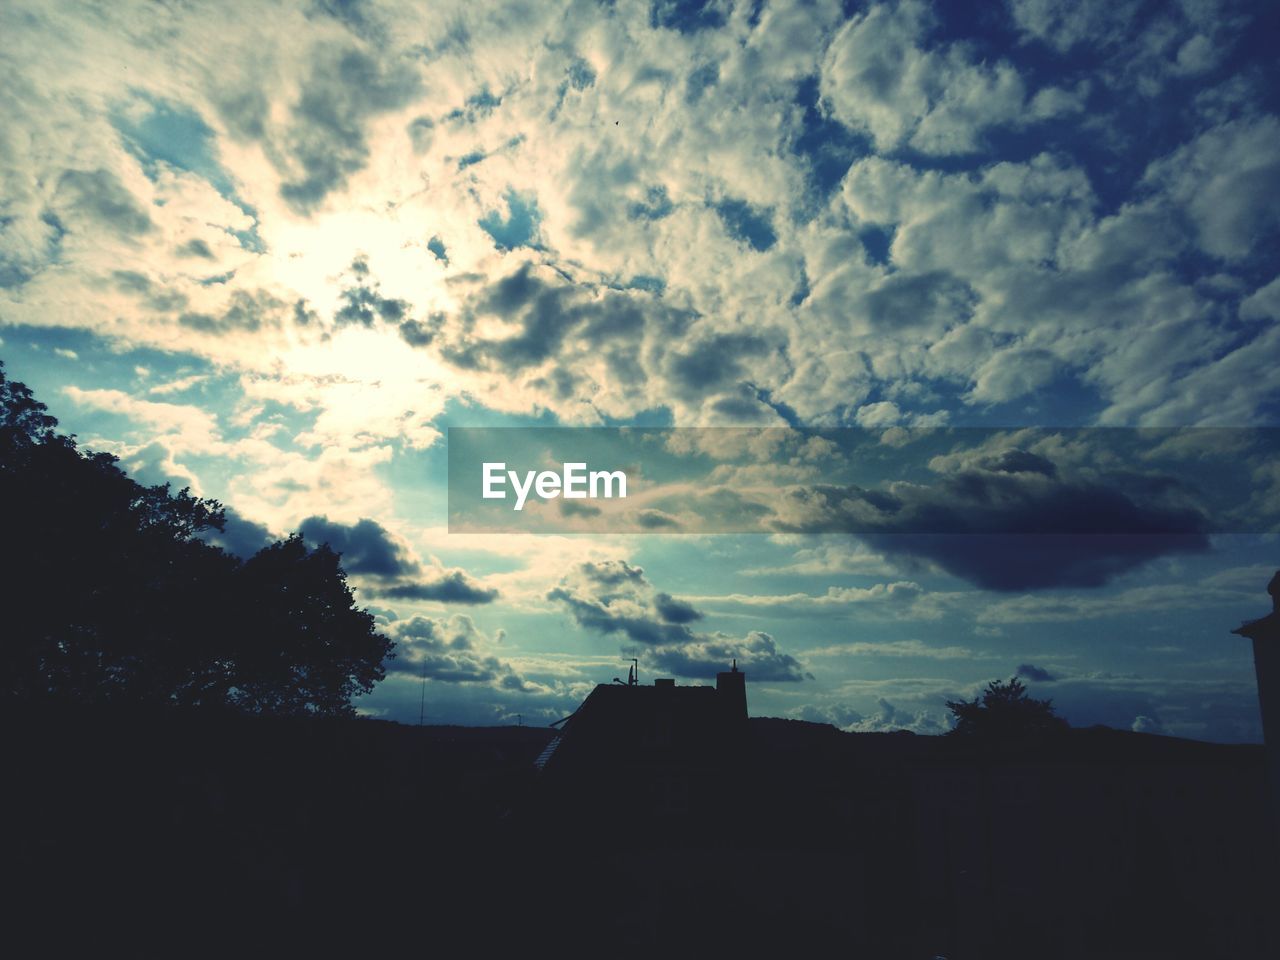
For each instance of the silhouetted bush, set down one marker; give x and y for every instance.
(1004, 711)
(110, 595)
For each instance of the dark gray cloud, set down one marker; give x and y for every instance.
(1031, 672)
(366, 546)
(756, 655)
(240, 537)
(743, 407)
(656, 520)
(675, 611)
(544, 314)
(149, 293)
(1013, 525)
(196, 248)
(613, 573)
(100, 195)
(913, 301)
(1014, 562)
(637, 624)
(560, 330)
(363, 304)
(20, 260)
(247, 311)
(358, 16)
(572, 508)
(714, 362)
(616, 599)
(368, 549)
(452, 586)
(419, 334)
(1019, 461)
(324, 142)
(244, 110)
(421, 132)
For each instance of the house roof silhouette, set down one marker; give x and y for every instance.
(624, 725)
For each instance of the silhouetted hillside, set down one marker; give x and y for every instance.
(1098, 844)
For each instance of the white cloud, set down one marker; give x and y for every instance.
(879, 77)
(1228, 181)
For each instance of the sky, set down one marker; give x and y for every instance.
(272, 252)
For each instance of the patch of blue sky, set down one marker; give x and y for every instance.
(176, 135)
(688, 16)
(784, 410)
(419, 481)
(420, 477)
(700, 81)
(828, 146)
(1065, 401)
(291, 422)
(1121, 129)
(645, 282)
(474, 107)
(877, 241)
(31, 354)
(519, 228)
(746, 223)
(51, 359)
(802, 290)
(1269, 411)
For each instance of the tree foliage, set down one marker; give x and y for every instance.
(110, 593)
(1004, 711)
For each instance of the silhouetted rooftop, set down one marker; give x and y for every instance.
(630, 723)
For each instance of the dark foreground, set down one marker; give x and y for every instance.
(180, 834)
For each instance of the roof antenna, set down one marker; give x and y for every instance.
(633, 673)
(735, 665)
(422, 703)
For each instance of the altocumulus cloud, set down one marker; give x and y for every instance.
(388, 568)
(615, 598)
(453, 650)
(358, 214)
(824, 214)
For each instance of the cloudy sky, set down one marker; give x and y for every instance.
(272, 251)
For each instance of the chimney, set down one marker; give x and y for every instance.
(731, 692)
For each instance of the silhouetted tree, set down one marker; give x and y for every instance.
(109, 593)
(1004, 711)
(305, 646)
